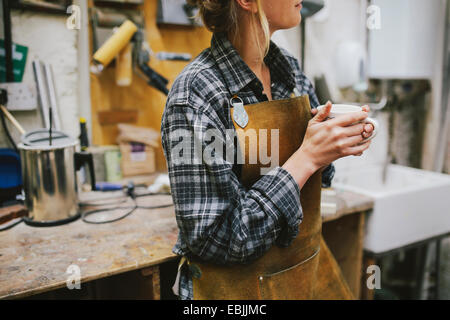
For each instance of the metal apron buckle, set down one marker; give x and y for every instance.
(240, 116)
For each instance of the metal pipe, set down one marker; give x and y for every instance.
(437, 266)
(42, 90)
(53, 102)
(444, 124)
(8, 41)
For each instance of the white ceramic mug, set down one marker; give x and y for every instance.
(340, 109)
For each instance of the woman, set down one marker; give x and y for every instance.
(218, 218)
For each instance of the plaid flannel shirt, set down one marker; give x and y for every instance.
(219, 220)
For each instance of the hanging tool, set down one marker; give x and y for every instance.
(108, 51)
(114, 46)
(163, 55)
(124, 66)
(141, 58)
(155, 79)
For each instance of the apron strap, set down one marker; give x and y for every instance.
(240, 116)
(176, 285)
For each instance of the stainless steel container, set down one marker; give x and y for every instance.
(49, 176)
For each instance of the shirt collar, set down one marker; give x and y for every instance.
(237, 73)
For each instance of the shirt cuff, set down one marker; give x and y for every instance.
(327, 176)
(280, 188)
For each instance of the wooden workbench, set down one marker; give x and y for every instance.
(35, 260)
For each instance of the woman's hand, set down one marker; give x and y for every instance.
(368, 127)
(327, 141)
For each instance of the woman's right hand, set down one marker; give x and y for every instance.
(327, 141)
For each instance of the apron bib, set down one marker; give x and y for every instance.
(292, 272)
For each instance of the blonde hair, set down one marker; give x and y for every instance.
(222, 16)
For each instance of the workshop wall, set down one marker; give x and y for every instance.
(141, 98)
(145, 100)
(47, 39)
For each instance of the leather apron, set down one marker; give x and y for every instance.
(282, 272)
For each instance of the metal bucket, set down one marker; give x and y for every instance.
(49, 176)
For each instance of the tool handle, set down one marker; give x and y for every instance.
(162, 55)
(124, 67)
(80, 159)
(155, 79)
(108, 186)
(12, 119)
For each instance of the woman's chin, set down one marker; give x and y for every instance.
(294, 21)
(287, 23)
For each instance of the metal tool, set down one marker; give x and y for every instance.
(141, 57)
(162, 55)
(154, 79)
(127, 32)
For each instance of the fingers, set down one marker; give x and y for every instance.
(366, 135)
(323, 113)
(349, 118)
(350, 141)
(354, 130)
(358, 149)
(368, 127)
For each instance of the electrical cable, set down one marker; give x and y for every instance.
(130, 194)
(88, 213)
(11, 225)
(132, 208)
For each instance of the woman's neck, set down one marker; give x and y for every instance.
(246, 46)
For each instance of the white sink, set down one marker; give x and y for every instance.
(412, 205)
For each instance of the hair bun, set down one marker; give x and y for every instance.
(217, 15)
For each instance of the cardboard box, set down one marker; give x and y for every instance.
(137, 158)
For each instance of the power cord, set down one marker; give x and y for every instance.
(130, 191)
(11, 225)
(130, 194)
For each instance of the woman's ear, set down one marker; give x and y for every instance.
(248, 5)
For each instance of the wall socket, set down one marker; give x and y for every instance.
(21, 96)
